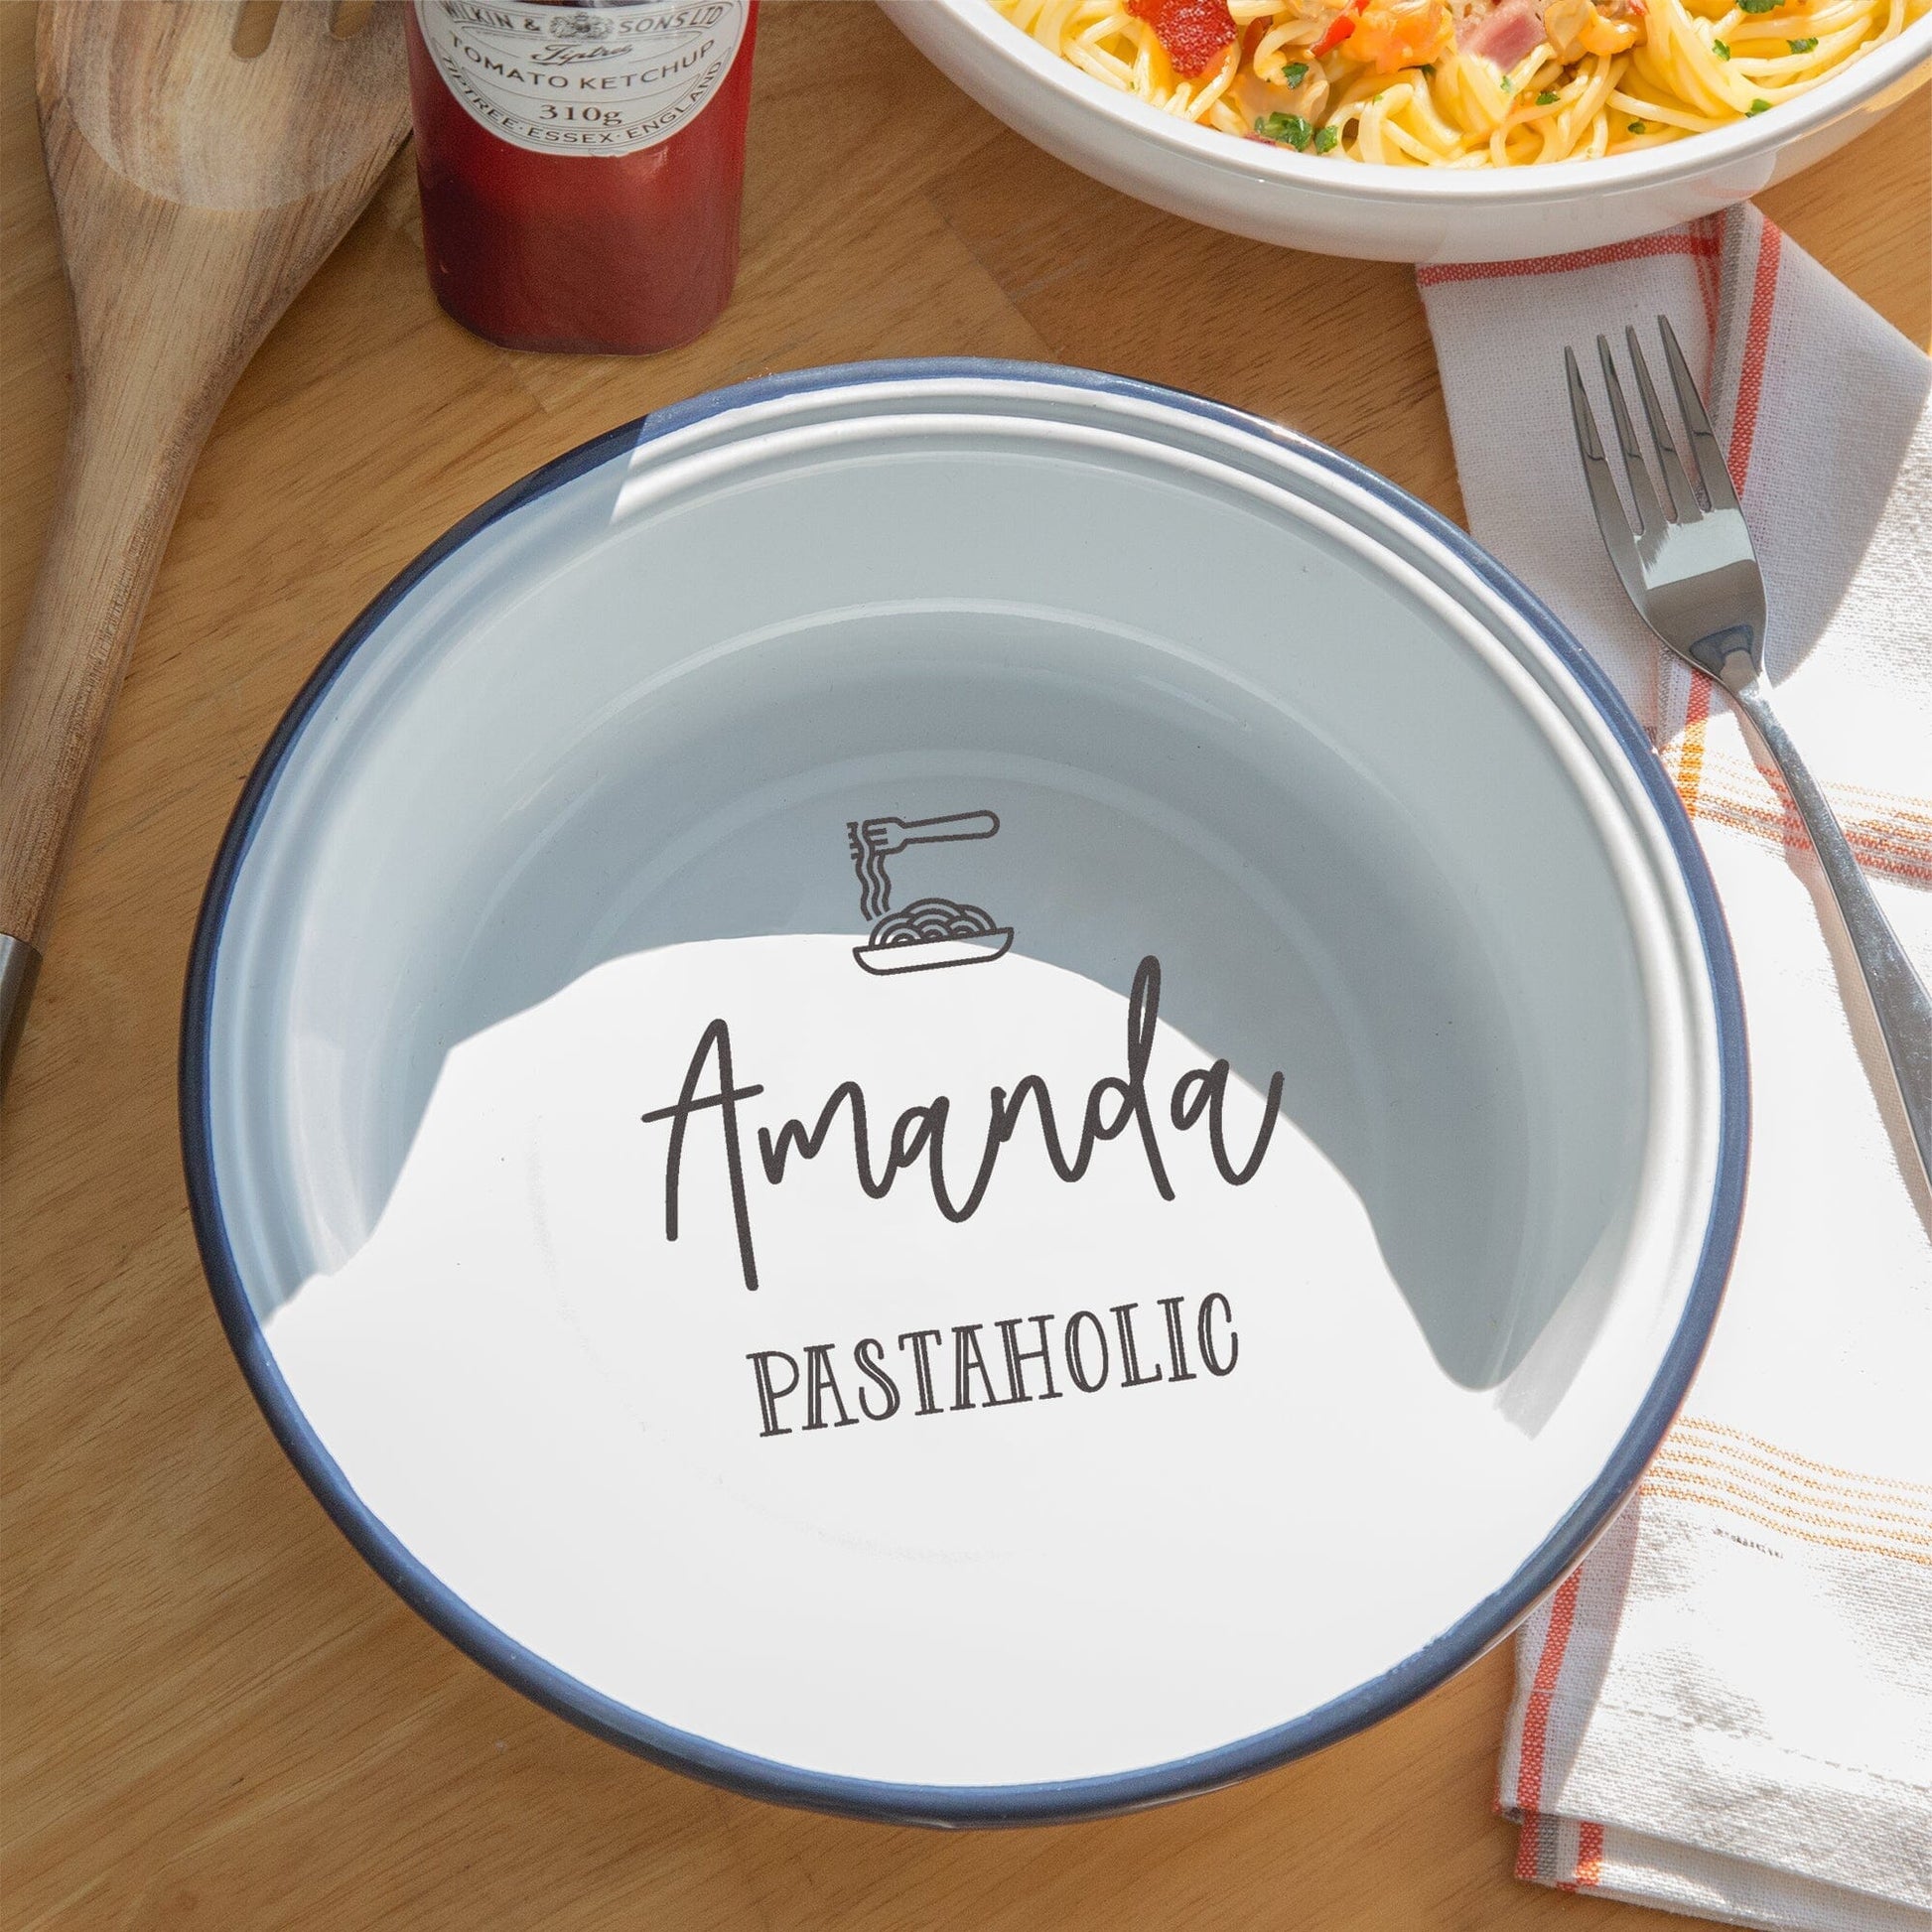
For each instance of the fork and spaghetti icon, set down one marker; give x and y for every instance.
(930, 932)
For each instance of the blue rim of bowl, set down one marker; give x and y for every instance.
(1058, 1801)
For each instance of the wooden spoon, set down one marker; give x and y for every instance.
(198, 187)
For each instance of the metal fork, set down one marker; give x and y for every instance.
(1690, 569)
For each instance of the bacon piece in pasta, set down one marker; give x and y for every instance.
(1505, 33)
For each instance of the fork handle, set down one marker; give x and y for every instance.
(950, 825)
(1898, 995)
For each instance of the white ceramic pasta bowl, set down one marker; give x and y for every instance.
(1394, 213)
(1016, 737)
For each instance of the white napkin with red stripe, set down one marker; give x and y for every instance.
(1728, 1709)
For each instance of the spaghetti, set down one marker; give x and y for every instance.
(1463, 84)
(932, 918)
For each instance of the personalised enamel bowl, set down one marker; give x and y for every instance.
(1414, 215)
(963, 1093)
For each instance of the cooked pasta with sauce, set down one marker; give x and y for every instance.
(1463, 84)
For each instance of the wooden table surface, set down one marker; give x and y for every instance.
(213, 1713)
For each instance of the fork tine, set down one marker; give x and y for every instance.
(1611, 517)
(1650, 514)
(1683, 499)
(1712, 472)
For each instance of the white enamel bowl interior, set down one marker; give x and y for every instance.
(1238, 709)
(1419, 215)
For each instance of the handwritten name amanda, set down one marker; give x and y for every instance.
(1114, 1104)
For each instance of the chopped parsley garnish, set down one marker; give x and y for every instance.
(1758, 107)
(1546, 98)
(1290, 130)
(1427, 70)
(1722, 49)
(1328, 140)
(1509, 86)
(1757, 6)
(1804, 46)
(1292, 76)
(1640, 127)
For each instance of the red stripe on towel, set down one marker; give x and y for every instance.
(1696, 245)
(1536, 1718)
(1710, 268)
(1529, 1834)
(1757, 337)
(1744, 434)
(1589, 1856)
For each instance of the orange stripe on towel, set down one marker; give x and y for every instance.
(1847, 1510)
(1687, 1424)
(1757, 1509)
(1690, 746)
(1744, 434)
(1536, 1719)
(1882, 847)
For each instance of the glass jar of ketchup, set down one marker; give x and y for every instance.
(580, 166)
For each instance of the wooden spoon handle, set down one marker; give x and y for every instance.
(129, 453)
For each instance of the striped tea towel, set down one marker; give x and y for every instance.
(1728, 1709)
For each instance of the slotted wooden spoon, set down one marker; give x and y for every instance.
(204, 156)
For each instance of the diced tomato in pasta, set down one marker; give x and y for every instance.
(1195, 33)
(1394, 34)
(1339, 28)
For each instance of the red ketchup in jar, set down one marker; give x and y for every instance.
(580, 166)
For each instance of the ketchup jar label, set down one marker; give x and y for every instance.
(580, 166)
(595, 80)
